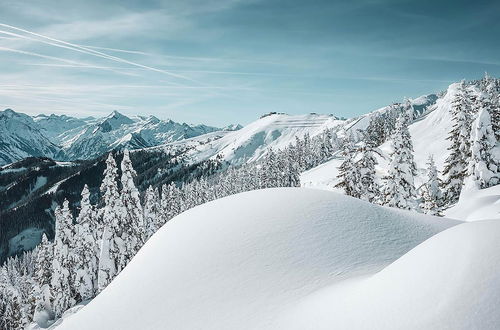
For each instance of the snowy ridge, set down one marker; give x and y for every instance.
(207, 269)
(20, 137)
(429, 136)
(67, 138)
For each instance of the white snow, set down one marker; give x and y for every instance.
(243, 261)
(448, 282)
(254, 140)
(478, 204)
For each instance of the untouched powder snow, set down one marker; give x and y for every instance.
(477, 204)
(242, 261)
(448, 282)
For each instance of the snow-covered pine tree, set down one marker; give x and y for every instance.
(492, 100)
(86, 248)
(399, 188)
(132, 215)
(375, 133)
(111, 244)
(42, 277)
(370, 189)
(408, 111)
(152, 219)
(455, 168)
(349, 175)
(431, 193)
(484, 165)
(63, 263)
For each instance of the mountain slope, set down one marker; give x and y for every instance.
(67, 138)
(117, 131)
(20, 137)
(241, 261)
(429, 136)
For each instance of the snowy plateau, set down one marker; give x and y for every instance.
(269, 233)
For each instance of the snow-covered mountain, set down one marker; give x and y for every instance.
(277, 131)
(429, 134)
(67, 138)
(21, 137)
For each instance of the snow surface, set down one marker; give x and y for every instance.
(253, 141)
(448, 282)
(479, 204)
(244, 261)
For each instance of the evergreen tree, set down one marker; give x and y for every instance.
(484, 166)
(349, 175)
(431, 193)
(132, 222)
(152, 219)
(399, 188)
(366, 167)
(42, 278)
(86, 249)
(62, 265)
(455, 168)
(110, 244)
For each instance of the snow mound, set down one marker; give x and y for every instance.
(448, 282)
(240, 261)
(477, 204)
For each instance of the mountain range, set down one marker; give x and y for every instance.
(67, 138)
(64, 153)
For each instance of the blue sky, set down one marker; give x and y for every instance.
(228, 61)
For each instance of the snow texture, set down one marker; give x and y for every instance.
(243, 261)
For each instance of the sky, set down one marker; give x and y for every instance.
(229, 61)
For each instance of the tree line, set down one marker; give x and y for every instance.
(474, 155)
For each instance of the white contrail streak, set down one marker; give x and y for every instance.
(85, 50)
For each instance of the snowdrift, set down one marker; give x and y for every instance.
(448, 282)
(243, 261)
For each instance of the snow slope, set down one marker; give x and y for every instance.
(242, 261)
(428, 135)
(448, 282)
(478, 204)
(254, 140)
(20, 137)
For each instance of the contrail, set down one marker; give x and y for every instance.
(85, 50)
(70, 62)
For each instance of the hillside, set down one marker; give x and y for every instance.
(240, 262)
(429, 137)
(277, 131)
(20, 137)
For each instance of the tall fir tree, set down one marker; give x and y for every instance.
(455, 169)
(86, 248)
(152, 219)
(110, 244)
(63, 289)
(431, 193)
(484, 165)
(370, 189)
(42, 277)
(349, 175)
(399, 188)
(132, 222)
